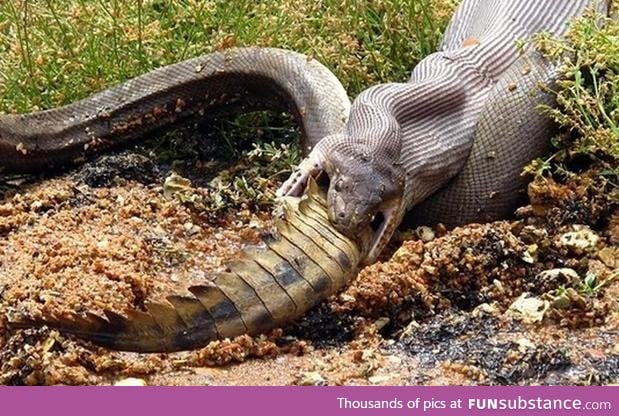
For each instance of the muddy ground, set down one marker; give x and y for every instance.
(528, 300)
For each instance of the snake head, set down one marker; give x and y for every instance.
(364, 193)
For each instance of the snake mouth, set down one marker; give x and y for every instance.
(377, 221)
(378, 225)
(382, 225)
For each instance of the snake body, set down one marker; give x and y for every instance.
(457, 135)
(239, 79)
(448, 146)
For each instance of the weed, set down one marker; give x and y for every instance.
(53, 52)
(587, 97)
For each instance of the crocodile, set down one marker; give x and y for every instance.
(300, 264)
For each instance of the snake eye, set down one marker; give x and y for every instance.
(338, 185)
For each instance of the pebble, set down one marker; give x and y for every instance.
(530, 256)
(191, 228)
(609, 256)
(347, 298)
(528, 309)
(552, 275)
(425, 233)
(581, 239)
(525, 344)
(103, 244)
(381, 322)
(485, 309)
(379, 379)
(312, 378)
(130, 382)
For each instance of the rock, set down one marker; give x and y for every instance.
(312, 378)
(175, 183)
(609, 256)
(425, 233)
(525, 344)
(561, 301)
(103, 244)
(528, 309)
(485, 309)
(133, 382)
(558, 277)
(530, 256)
(579, 240)
(190, 228)
(379, 379)
(381, 322)
(532, 235)
(568, 299)
(347, 298)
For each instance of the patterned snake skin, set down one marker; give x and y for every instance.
(457, 135)
(451, 142)
(240, 79)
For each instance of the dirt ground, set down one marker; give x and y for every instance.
(529, 300)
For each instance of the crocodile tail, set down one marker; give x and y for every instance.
(303, 262)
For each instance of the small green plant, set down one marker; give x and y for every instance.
(587, 95)
(539, 167)
(249, 183)
(591, 285)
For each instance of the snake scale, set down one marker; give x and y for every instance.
(448, 146)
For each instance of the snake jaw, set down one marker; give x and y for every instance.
(392, 215)
(309, 167)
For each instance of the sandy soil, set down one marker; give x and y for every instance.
(481, 304)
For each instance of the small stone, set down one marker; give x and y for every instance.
(568, 299)
(485, 309)
(347, 298)
(175, 183)
(379, 379)
(525, 343)
(528, 309)
(561, 302)
(190, 228)
(425, 233)
(441, 230)
(530, 256)
(581, 239)
(380, 323)
(560, 276)
(36, 205)
(103, 244)
(609, 256)
(158, 230)
(312, 378)
(130, 382)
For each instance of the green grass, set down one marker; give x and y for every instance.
(53, 52)
(587, 98)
